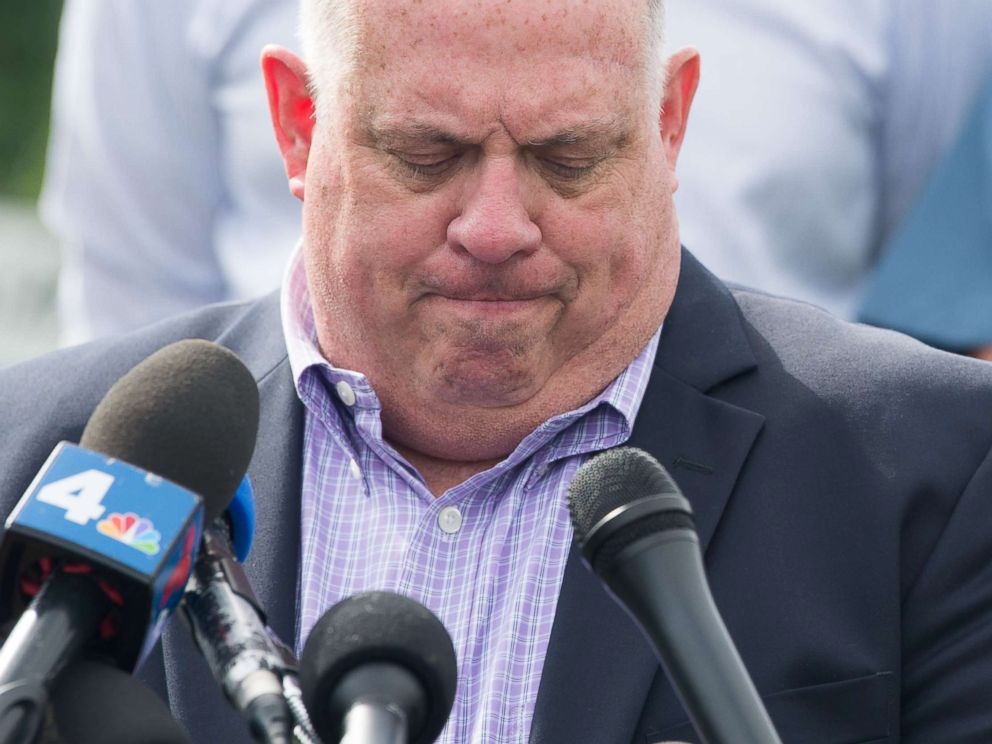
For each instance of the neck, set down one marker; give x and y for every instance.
(442, 475)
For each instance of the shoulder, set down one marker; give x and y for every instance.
(49, 399)
(905, 405)
(62, 375)
(834, 355)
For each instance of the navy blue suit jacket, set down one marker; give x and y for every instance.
(842, 485)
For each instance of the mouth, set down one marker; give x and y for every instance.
(488, 304)
(494, 299)
(513, 299)
(489, 296)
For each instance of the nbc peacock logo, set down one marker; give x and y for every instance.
(132, 530)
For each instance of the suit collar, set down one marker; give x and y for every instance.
(704, 342)
(599, 667)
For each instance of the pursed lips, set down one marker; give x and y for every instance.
(492, 297)
(488, 304)
(496, 294)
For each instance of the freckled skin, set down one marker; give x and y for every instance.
(484, 282)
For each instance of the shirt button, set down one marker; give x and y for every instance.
(356, 472)
(345, 393)
(535, 477)
(450, 520)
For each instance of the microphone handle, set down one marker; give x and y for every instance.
(232, 637)
(61, 618)
(372, 722)
(380, 700)
(679, 616)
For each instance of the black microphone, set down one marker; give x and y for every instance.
(102, 544)
(94, 703)
(637, 533)
(378, 667)
(228, 624)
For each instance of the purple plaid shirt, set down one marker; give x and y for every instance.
(487, 557)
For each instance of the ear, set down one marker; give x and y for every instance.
(682, 77)
(292, 111)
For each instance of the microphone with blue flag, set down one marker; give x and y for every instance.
(98, 551)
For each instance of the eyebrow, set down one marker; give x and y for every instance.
(413, 131)
(611, 129)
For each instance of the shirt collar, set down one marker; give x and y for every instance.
(298, 325)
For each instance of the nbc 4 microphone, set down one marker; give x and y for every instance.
(378, 667)
(637, 533)
(97, 552)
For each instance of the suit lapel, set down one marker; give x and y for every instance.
(703, 442)
(599, 668)
(273, 565)
(276, 467)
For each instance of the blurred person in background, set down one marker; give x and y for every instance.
(163, 183)
(934, 280)
(816, 125)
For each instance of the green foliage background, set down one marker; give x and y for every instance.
(28, 37)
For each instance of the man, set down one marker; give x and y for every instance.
(490, 288)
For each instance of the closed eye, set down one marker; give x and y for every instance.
(423, 167)
(568, 171)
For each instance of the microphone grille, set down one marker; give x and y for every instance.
(371, 627)
(189, 413)
(614, 479)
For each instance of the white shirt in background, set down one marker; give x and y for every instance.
(814, 129)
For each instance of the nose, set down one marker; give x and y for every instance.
(494, 225)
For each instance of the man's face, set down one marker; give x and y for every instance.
(488, 219)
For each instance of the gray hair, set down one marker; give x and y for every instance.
(330, 35)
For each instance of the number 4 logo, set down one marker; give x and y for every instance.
(78, 495)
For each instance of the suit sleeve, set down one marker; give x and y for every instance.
(947, 627)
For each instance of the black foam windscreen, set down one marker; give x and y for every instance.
(381, 627)
(97, 703)
(614, 479)
(189, 413)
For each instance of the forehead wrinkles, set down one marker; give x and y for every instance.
(609, 31)
(515, 62)
(579, 105)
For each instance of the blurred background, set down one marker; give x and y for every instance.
(28, 254)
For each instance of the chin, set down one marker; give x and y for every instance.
(486, 384)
